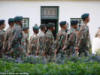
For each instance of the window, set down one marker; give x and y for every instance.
(49, 12)
(26, 22)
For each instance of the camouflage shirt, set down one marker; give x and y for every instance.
(61, 39)
(25, 42)
(8, 38)
(84, 38)
(49, 41)
(17, 36)
(2, 35)
(73, 40)
(16, 45)
(34, 44)
(42, 44)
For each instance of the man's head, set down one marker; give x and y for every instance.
(11, 22)
(74, 24)
(36, 29)
(26, 29)
(51, 26)
(2, 24)
(99, 29)
(63, 25)
(18, 20)
(85, 17)
(43, 27)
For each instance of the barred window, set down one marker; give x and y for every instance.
(49, 12)
(26, 22)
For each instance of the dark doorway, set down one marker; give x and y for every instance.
(50, 14)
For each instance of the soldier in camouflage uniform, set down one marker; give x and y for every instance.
(49, 40)
(84, 41)
(25, 41)
(34, 41)
(16, 46)
(42, 39)
(62, 40)
(98, 33)
(73, 38)
(2, 35)
(8, 36)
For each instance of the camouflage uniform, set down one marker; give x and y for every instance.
(84, 40)
(49, 41)
(61, 42)
(73, 41)
(34, 44)
(8, 39)
(2, 35)
(42, 44)
(25, 42)
(16, 41)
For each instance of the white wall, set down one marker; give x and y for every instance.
(68, 9)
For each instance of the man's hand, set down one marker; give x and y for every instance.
(37, 52)
(77, 49)
(55, 52)
(64, 48)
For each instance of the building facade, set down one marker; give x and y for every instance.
(43, 11)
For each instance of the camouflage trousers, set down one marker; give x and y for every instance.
(83, 52)
(41, 51)
(33, 50)
(61, 53)
(1, 52)
(18, 51)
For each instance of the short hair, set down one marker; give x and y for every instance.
(42, 26)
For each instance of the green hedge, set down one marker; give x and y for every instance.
(70, 68)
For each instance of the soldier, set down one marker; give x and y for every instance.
(9, 35)
(25, 41)
(42, 39)
(84, 37)
(98, 33)
(49, 40)
(43, 29)
(34, 41)
(2, 35)
(62, 39)
(16, 46)
(96, 43)
(73, 38)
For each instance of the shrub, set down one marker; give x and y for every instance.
(98, 52)
(68, 68)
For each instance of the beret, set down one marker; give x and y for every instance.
(35, 27)
(11, 20)
(18, 18)
(62, 23)
(2, 22)
(74, 22)
(85, 15)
